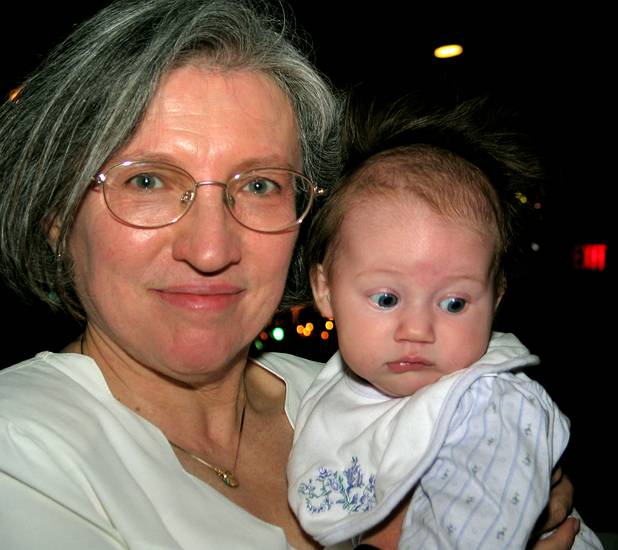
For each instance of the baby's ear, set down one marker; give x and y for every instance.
(500, 290)
(321, 290)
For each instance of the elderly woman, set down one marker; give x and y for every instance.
(154, 175)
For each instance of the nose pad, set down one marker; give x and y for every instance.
(187, 197)
(229, 200)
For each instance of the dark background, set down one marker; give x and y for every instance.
(557, 71)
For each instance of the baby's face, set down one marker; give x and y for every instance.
(411, 291)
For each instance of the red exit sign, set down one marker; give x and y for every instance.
(590, 256)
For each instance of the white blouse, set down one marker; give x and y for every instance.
(80, 470)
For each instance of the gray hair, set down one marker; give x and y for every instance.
(87, 100)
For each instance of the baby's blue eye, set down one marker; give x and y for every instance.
(384, 299)
(453, 304)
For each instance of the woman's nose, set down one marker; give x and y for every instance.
(208, 237)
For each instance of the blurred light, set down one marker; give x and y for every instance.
(325, 335)
(264, 335)
(306, 332)
(448, 50)
(300, 328)
(14, 94)
(535, 246)
(521, 197)
(537, 205)
(278, 334)
(309, 326)
(258, 344)
(590, 256)
(329, 325)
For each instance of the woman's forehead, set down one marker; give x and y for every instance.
(207, 114)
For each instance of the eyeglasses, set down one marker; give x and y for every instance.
(155, 194)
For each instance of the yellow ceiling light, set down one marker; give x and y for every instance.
(449, 50)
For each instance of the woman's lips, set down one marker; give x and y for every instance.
(209, 298)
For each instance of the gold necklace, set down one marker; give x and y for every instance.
(228, 477)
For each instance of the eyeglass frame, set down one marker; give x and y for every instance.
(99, 180)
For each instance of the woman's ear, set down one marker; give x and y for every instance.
(321, 291)
(52, 230)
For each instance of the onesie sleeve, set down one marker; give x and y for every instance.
(492, 475)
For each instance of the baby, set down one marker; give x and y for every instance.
(423, 401)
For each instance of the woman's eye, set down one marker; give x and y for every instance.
(384, 300)
(261, 186)
(146, 182)
(453, 305)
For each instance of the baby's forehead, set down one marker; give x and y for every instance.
(455, 193)
(397, 178)
(430, 172)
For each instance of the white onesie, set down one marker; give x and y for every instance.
(476, 450)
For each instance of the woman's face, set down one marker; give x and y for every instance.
(187, 299)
